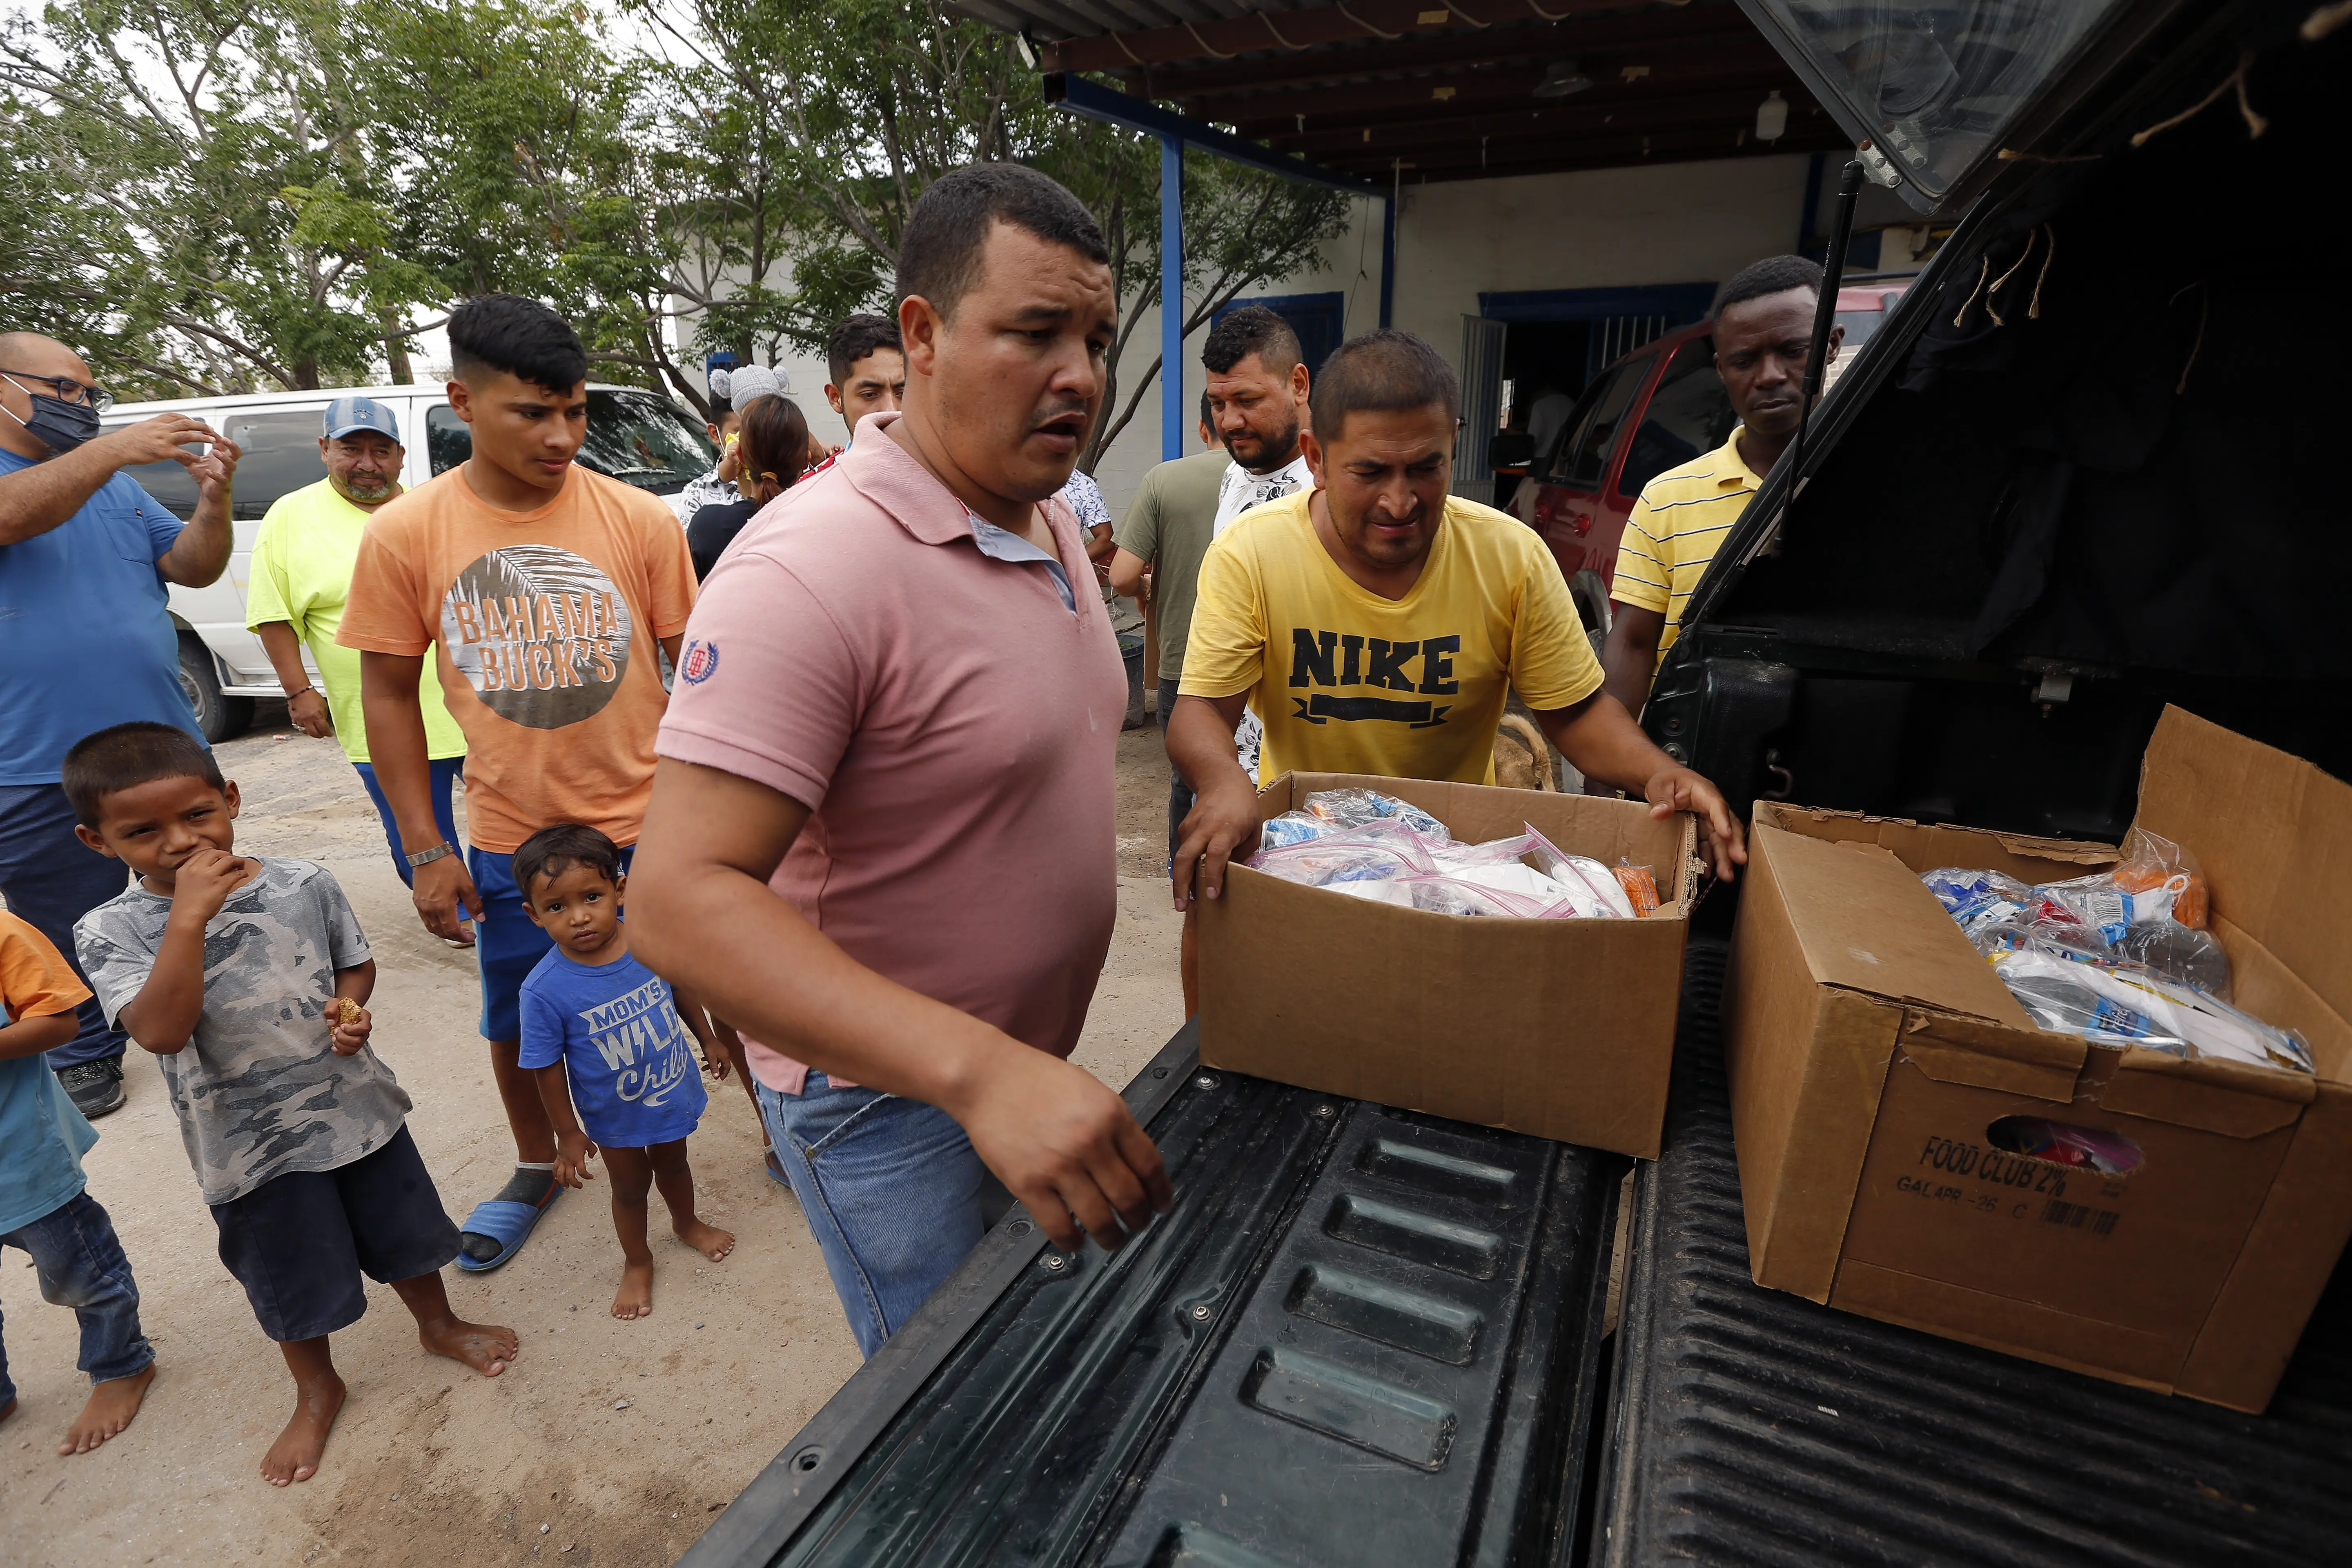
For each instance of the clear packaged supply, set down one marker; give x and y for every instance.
(1640, 885)
(1342, 810)
(1390, 856)
(2114, 958)
(1359, 854)
(2176, 951)
(2126, 1004)
(1598, 883)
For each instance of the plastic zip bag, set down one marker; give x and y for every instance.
(1370, 853)
(1357, 808)
(1580, 870)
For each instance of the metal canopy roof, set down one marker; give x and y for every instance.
(1439, 89)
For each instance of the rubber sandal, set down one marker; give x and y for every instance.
(776, 1171)
(505, 1222)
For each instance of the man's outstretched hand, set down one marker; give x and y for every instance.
(1065, 1146)
(1673, 789)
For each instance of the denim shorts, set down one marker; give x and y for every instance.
(299, 1242)
(505, 943)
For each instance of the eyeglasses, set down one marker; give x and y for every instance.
(70, 391)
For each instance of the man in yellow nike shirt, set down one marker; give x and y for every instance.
(1377, 625)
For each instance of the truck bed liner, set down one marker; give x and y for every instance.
(1753, 1427)
(1364, 1337)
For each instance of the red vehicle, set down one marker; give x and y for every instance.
(1654, 409)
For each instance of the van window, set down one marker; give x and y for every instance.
(633, 436)
(1689, 414)
(448, 441)
(1584, 451)
(644, 440)
(279, 454)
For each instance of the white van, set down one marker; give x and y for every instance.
(633, 436)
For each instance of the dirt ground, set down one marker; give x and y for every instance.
(568, 1457)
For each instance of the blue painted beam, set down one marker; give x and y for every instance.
(1172, 297)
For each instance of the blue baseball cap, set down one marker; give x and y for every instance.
(345, 415)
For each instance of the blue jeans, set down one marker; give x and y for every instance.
(447, 772)
(893, 1192)
(79, 1264)
(51, 881)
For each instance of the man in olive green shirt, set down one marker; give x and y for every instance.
(301, 574)
(1166, 528)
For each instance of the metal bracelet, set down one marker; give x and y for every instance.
(427, 856)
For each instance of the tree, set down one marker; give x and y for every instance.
(801, 134)
(200, 207)
(226, 194)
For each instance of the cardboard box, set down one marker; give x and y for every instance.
(1563, 1028)
(1872, 1053)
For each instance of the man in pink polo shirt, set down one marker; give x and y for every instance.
(881, 835)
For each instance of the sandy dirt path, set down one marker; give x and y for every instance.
(431, 1466)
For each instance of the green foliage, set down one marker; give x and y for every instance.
(801, 134)
(223, 196)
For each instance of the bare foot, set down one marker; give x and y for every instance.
(708, 1239)
(635, 1296)
(295, 1455)
(485, 1347)
(112, 1405)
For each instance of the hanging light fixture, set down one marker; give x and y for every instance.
(1562, 78)
(1772, 117)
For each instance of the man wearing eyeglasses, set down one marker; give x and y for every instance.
(86, 640)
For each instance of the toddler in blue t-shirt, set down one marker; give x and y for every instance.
(608, 1035)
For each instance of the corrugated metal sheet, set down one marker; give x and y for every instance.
(1364, 1337)
(1755, 1427)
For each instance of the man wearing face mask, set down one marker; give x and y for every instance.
(881, 837)
(86, 640)
(1377, 625)
(302, 569)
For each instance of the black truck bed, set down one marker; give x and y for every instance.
(1368, 1337)
(1749, 1425)
(1363, 1337)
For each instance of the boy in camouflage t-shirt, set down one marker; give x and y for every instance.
(246, 979)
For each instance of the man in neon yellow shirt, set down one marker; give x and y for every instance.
(301, 573)
(1377, 625)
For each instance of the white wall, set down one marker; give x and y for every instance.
(1671, 222)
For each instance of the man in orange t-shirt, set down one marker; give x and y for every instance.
(545, 587)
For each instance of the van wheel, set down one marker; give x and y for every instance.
(218, 717)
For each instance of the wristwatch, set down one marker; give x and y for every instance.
(427, 856)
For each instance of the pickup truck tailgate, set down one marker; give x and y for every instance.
(1753, 1427)
(1364, 1337)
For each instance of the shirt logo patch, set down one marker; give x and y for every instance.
(699, 663)
(540, 635)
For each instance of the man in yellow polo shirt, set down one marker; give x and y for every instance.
(301, 573)
(1377, 625)
(1763, 332)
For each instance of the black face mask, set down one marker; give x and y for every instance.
(57, 424)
